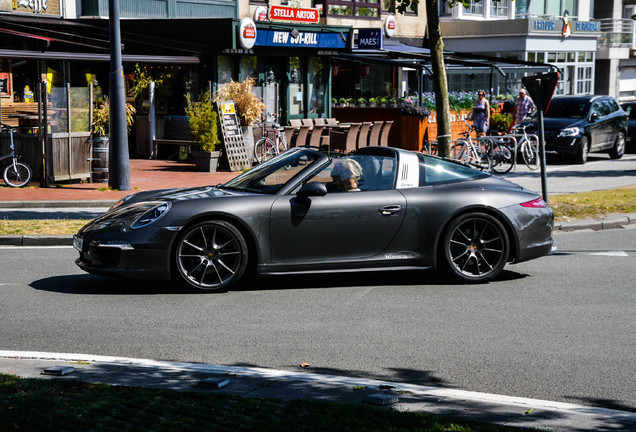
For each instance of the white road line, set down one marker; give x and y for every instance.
(610, 253)
(36, 247)
(332, 379)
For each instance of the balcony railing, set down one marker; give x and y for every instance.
(616, 32)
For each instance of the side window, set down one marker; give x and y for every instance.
(597, 108)
(357, 174)
(612, 105)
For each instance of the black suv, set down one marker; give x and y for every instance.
(578, 125)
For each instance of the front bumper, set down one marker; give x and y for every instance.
(565, 145)
(121, 258)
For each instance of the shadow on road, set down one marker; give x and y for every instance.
(90, 284)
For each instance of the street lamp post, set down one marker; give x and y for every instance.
(119, 164)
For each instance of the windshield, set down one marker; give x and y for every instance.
(568, 108)
(271, 176)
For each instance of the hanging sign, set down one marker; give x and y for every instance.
(285, 13)
(389, 26)
(302, 40)
(260, 13)
(5, 84)
(247, 33)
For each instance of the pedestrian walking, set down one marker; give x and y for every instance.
(523, 107)
(481, 114)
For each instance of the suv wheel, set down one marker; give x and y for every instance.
(583, 151)
(618, 150)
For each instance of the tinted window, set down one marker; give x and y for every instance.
(568, 108)
(357, 173)
(438, 171)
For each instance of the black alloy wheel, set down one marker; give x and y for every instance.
(618, 150)
(476, 247)
(211, 256)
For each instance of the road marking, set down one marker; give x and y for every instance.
(36, 247)
(428, 391)
(610, 253)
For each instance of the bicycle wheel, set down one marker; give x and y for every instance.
(530, 153)
(477, 158)
(458, 150)
(502, 158)
(18, 175)
(263, 150)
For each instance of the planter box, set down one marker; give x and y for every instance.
(206, 161)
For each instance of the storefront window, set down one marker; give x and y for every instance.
(499, 8)
(368, 8)
(316, 86)
(249, 67)
(226, 69)
(476, 7)
(296, 87)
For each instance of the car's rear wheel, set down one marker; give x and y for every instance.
(583, 151)
(211, 255)
(618, 150)
(476, 247)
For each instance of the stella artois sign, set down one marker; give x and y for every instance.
(285, 13)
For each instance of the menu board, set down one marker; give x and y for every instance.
(233, 142)
(5, 84)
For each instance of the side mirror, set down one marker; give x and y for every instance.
(594, 116)
(311, 189)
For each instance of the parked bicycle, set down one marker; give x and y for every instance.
(16, 174)
(470, 152)
(501, 152)
(528, 146)
(266, 148)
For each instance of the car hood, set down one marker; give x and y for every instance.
(556, 124)
(179, 194)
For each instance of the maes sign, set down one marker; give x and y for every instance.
(232, 137)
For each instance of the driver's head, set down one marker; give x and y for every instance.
(345, 169)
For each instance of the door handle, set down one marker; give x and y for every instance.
(389, 210)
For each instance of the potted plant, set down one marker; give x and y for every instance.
(334, 102)
(373, 102)
(249, 108)
(384, 101)
(203, 120)
(362, 102)
(342, 102)
(100, 127)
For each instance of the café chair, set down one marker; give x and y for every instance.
(307, 122)
(289, 134)
(332, 121)
(374, 136)
(345, 140)
(384, 135)
(364, 133)
(317, 139)
(295, 123)
(301, 138)
(319, 121)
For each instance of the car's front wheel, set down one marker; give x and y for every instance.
(583, 151)
(475, 247)
(211, 255)
(618, 150)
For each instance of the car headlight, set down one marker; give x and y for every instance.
(570, 132)
(152, 215)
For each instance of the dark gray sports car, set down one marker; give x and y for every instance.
(306, 211)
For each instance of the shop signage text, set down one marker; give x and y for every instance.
(48, 7)
(303, 40)
(284, 13)
(553, 26)
(370, 38)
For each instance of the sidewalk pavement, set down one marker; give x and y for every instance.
(287, 385)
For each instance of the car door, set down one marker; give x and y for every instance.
(598, 125)
(335, 227)
(338, 226)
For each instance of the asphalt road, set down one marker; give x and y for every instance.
(558, 328)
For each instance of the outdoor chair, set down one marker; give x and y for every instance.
(301, 138)
(289, 134)
(364, 133)
(374, 136)
(308, 122)
(317, 138)
(295, 122)
(384, 135)
(345, 140)
(319, 121)
(332, 121)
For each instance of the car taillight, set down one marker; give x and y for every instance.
(537, 203)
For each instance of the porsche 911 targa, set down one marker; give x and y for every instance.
(307, 211)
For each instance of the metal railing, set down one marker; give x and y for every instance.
(616, 32)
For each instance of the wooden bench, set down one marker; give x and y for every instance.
(10, 111)
(177, 133)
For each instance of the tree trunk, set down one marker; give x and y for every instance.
(440, 83)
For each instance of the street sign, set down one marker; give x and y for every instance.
(541, 88)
